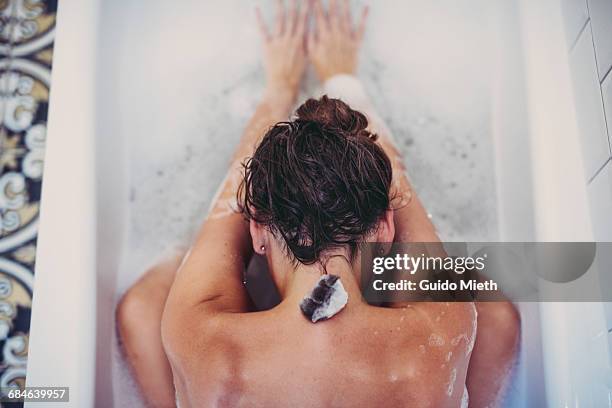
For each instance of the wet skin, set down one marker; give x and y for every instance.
(363, 357)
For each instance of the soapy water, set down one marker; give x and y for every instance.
(435, 340)
(465, 399)
(451, 382)
(224, 202)
(468, 338)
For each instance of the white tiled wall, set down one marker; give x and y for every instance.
(589, 108)
(589, 39)
(606, 88)
(600, 201)
(600, 12)
(576, 15)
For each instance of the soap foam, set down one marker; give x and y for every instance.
(325, 300)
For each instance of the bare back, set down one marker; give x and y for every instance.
(366, 356)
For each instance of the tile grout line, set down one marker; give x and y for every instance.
(584, 26)
(605, 76)
(603, 103)
(599, 170)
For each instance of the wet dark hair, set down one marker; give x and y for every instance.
(320, 181)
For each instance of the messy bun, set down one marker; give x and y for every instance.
(320, 182)
(334, 114)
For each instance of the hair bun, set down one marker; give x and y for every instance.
(320, 183)
(334, 114)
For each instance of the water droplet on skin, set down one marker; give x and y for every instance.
(451, 382)
(422, 348)
(393, 378)
(460, 337)
(402, 318)
(376, 332)
(449, 355)
(435, 340)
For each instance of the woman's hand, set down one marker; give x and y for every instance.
(284, 52)
(333, 46)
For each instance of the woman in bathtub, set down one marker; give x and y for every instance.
(311, 191)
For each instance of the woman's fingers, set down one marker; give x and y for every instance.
(302, 19)
(290, 23)
(311, 38)
(280, 17)
(262, 24)
(292, 16)
(362, 24)
(346, 15)
(320, 16)
(333, 13)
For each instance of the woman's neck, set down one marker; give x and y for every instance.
(303, 279)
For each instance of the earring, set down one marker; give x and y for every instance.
(263, 248)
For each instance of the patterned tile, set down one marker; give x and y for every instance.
(27, 29)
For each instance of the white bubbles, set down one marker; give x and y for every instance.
(465, 398)
(435, 340)
(451, 382)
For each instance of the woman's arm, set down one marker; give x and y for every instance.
(211, 275)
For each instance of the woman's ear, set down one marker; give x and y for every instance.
(385, 233)
(386, 228)
(258, 236)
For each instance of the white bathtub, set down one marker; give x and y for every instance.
(82, 263)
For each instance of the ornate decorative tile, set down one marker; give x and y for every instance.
(27, 29)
